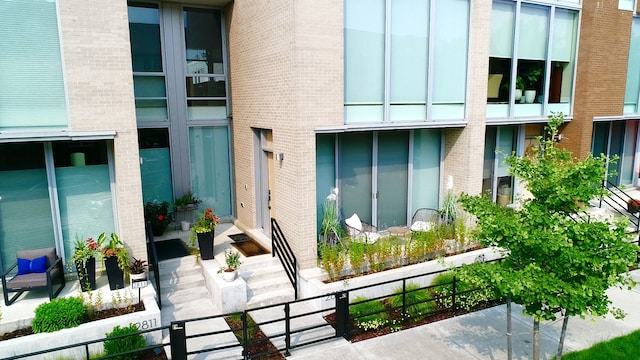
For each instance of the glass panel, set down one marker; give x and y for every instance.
(151, 110)
(426, 169)
(617, 142)
(633, 68)
(155, 165)
(489, 160)
(499, 82)
(149, 86)
(626, 161)
(325, 172)
(450, 49)
(84, 191)
(502, 23)
(393, 177)
(144, 31)
(534, 31)
(210, 168)
(203, 39)
(206, 109)
(563, 56)
(203, 86)
(25, 210)
(364, 53)
(409, 48)
(505, 147)
(354, 175)
(600, 138)
(31, 65)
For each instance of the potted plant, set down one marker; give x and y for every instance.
(158, 214)
(84, 258)
(531, 78)
(203, 230)
(188, 201)
(137, 270)
(116, 259)
(633, 205)
(232, 260)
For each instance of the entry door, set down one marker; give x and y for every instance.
(265, 180)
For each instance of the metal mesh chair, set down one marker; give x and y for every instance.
(424, 218)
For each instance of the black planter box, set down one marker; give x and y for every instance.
(205, 243)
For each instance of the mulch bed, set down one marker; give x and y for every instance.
(356, 334)
(259, 347)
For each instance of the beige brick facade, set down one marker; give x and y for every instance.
(97, 69)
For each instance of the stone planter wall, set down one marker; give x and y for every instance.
(311, 280)
(147, 319)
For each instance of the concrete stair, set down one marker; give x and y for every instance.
(267, 282)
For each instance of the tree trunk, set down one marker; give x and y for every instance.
(509, 339)
(536, 339)
(562, 334)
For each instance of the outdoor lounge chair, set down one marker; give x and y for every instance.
(361, 231)
(424, 219)
(34, 277)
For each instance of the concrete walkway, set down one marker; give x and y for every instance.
(481, 335)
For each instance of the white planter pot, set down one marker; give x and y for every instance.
(184, 225)
(518, 94)
(529, 96)
(134, 277)
(229, 275)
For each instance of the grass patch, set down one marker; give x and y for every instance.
(624, 347)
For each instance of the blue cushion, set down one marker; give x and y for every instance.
(38, 265)
(23, 266)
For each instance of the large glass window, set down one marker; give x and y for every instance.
(390, 47)
(383, 177)
(535, 77)
(155, 165)
(617, 138)
(31, 81)
(632, 90)
(500, 143)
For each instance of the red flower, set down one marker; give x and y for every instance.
(160, 217)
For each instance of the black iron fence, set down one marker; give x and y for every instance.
(618, 201)
(281, 248)
(152, 253)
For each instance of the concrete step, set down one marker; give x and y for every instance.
(184, 295)
(271, 297)
(172, 282)
(262, 274)
(274, 284)
(183, 265)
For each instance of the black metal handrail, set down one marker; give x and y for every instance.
(152, 254)
(619, 194)
(280, 247)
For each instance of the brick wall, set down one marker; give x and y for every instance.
(286, 66)
(602, 67)
(99, 85)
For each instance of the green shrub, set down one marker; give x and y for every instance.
(369, 315)
(128, 343)
(418, 301)
(61, 313)
(333, 259)
(356, 256)
(443, 288)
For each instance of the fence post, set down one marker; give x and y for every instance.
(287, 329)
(404, 297)
(178, 340)
(342, 313)
(453, 295)
(245, 336)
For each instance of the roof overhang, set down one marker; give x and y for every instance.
(7, 136)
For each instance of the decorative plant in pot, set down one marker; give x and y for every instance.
(232, 260)
(137, 269)
(116, 259)
(203, 230)
(633, 205)
(84, 258)
(158, 214)
(531, 78)
(186, 203)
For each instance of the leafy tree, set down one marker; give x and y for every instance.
(554, 261)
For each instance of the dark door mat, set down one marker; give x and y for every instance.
(170, 249)
(249, 248)
(239, 237)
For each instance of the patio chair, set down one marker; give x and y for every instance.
(424, 219)
(39, 268)
(361, 231)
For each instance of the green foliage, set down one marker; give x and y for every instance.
(333, 259)
(368, 315)
(331, 230)
(356, 256)
(448, 212)
(418, 301)
(187, 199)
(132, 342)
(60, 313)
(469, 294)
(623, 347)
(552, 262)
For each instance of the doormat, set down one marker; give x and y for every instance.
(239, 237)
(249, 247)
(170, 249)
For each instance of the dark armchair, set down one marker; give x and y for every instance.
(53, 274)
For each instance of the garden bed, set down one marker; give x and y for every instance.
(259, 346)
